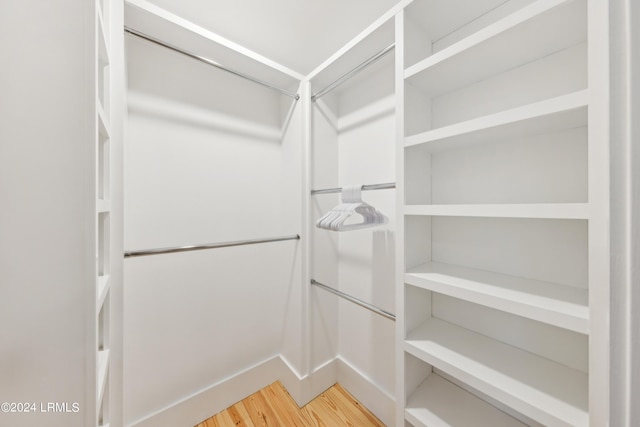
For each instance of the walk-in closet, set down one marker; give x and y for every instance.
(411, 213)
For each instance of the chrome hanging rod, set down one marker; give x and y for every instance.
(209, 62)
(145, 252)
(385, 186)
(346, 76)
(355, 300)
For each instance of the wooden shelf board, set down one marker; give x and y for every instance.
(440, 403)
(539, 388)
(103, 371)
(534, 210)
(559, 305)
(535, 31)
(548, 116)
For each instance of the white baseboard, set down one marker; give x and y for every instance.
(305, 389)
(375, 399)
(205, 403)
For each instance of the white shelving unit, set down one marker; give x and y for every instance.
(499, 168)
(102, 284)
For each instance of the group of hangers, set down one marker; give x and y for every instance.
(351, 204)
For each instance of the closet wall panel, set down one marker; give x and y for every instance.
(353, 143)
(324, 245)
(209, 158)
(366, 257)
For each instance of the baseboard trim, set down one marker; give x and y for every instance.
(375, 399)
(203, 404)
(304, 389)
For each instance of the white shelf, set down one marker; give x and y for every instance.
(534, 210)
(103, 287)
(539, 388)
(504, 45)
(548, 116)
(103, 371)
(440, 403)
(559, 305)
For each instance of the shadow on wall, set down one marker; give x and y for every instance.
(209, 98)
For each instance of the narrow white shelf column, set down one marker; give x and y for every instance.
(539, 388)
(563, 306)
(102, 284)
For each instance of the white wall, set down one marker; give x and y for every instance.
(209, 158)
(367, 156)
(46, 132)
(354, 143)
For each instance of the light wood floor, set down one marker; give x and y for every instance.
(274, 407)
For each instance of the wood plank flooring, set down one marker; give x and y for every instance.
(274, 407)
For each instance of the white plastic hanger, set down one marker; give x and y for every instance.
(351, 203)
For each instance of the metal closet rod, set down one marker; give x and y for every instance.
(384, 186)
(346, 76)
(145, 252)
(355, 300)
(209, 62)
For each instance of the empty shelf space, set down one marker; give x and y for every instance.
(534, 210)
(103, 371)
(103, 45)
(103, 122)
(548, 116)
(103, 206)
(536, 31)
(558, 305)
(440, 403)
(546, 391)
(103, 286)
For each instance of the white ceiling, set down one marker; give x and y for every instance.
(299, 34)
